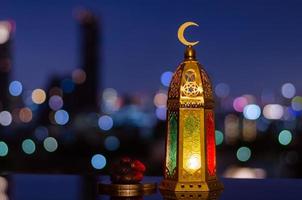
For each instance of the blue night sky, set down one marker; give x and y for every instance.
(251, 45)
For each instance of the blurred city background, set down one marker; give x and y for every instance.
(84, 83)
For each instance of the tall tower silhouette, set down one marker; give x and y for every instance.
(5, 62)
(86, 94)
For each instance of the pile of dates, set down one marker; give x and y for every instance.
(127, 171)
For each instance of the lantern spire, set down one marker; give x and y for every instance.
(190, 53)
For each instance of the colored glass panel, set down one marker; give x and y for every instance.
(171, 145)
(211, 151)
(191, 141)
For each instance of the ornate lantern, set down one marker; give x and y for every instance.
(190, 159)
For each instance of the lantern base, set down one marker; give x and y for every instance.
(210, 185)
(171, 195)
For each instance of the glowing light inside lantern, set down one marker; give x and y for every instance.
(193, 162)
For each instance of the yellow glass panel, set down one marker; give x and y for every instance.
(191, 141)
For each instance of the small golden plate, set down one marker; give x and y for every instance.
(127, 190)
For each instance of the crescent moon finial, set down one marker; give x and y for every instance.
(181, 31)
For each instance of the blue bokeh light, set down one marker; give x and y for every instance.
(67, 85)
(222, 90)
(61, 117)
(166, 78)
(98, 161)
(15, 88)
(105, 122)
(55, 102)
(252, 112)
(161, 113)
(41, 133)
(112, 143)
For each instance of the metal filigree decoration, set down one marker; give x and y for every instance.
(175, 84)
(191, 88)
(208, 92)
(191, 176)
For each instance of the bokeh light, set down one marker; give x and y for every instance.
(55, 91)
(273, 111)
(161, 113)
(160, 99)
(251, 112)
(55, 102)
(288, 90)
(244, 154)
(112, 143)
(67, 85)
(98, 161)
(28, 146)
(3, 187)
(249, 130)
(5, 118)
(15, 88)
(3, 149)
(110, 101)
(78, 76)
(267, 96)
(239, 103)
(4, 31)
(232, 131)
(219, 137)
(222, 90)
(61, 117)
(110, 94)
(244, 172)
(285, 137)
(166, 78)
(50, 144)
(38, 96)
(41, 133)
(297, 103)
(25, 115)
(105, 122)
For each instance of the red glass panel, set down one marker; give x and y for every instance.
(211, 146)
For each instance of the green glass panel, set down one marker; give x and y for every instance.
(172, 144)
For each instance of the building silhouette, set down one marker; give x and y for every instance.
(5, 63)
(87, 93)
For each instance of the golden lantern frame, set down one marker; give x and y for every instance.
(190, 154)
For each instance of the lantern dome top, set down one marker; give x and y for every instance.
(190, 85)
